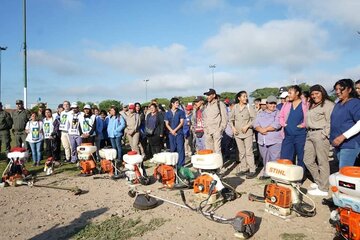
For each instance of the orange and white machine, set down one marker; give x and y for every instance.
(133, 170)
(208, 182)
(108, 156)
(165, 171)
(345, 187)
(15, 170)
(86, 157)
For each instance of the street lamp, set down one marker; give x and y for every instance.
(212, 67)
(146, 81)
(25, 55)
(1, 49)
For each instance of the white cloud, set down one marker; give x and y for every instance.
(342, 12)
(143, 61)
(292, 44)
(61, 65)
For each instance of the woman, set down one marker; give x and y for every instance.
(292, 118)
(241, 119)
(105, 121)
(143, 140)
(267, 126)
(317, 146)
(115, 131)
(34, 130)
(154, 128)
(345, 116)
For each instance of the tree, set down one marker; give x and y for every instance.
(106, 104)
(229, 95)
(264, 92)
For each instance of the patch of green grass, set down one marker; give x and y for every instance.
(118, 228)
(293, 236)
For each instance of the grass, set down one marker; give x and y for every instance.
(293, 236)
(118, 228)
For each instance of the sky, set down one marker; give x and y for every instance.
(93, 50)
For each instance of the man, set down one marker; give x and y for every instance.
(6, 123)
(214, 121)
(41, 111)
(99, 130)
(20, 117)
(187, 131)
(87, 125)
(132, 129)
(197, 123)
(73, 126)
(174, 121)
(63, 127)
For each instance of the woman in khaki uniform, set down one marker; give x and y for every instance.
(241, 119)
(317, 145)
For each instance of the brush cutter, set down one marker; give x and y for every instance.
(76, 190)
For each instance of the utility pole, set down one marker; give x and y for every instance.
(25, 56)
(1, 49)
(212, 67)
(146, 95)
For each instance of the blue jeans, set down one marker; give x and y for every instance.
(347, 156)
(116, 144)
(291, 145)
(36, 151)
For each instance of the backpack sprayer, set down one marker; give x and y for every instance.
(86, 157)
(283, 195)
(165, 171)
(15, 171)
(133, 170)
(345, 186)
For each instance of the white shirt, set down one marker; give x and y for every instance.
(35, 129)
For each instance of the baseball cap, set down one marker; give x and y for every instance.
(19, 101)
(210, 92)
(73, 105)
(263, 101)
(87, 106)
(199, 98)
(131, 106)
(271, 99)
(41, 105)
(284, 95)
(189, 107)
(282, 89)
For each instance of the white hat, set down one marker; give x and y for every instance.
(87, 106)
(73, 105)
(263, 101)
(284, 95)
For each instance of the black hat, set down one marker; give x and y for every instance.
(282, 89)
(199, 98)
(60, 105)
(19, 101)
(211, 91)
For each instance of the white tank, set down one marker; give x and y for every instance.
(20, 155)
(133, 159)
(167, 158)
(211, 161)
(108, 153)
(285, 172)
(86, 149)
(347, 180)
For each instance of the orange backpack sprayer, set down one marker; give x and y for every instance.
(86, 157)
(345, 186)
(15, 170)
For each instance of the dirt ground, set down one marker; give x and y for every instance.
(42, 213)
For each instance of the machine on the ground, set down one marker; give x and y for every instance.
(15, 170)
(87, 159)
(134, 172)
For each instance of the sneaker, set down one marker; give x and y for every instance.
(242, 173)
(251, 175)
(314, 185)
(318, 192)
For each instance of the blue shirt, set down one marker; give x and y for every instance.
(174, 119)
(343, 117)
(186, 126)
(296, 117)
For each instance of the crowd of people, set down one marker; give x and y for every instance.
(300, 126)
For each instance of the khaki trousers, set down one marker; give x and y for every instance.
(246, 155)
(65, 141)
(134, 142)
(213, 141)
(317, 148)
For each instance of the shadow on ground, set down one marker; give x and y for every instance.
(68, 231)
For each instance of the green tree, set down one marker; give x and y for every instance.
(264, 92)
(106, 104)
(229, 95)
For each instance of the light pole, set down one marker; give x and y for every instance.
(25, 56)
(1, 49)
(212, 67)
(146, 81)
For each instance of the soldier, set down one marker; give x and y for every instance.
(20, 117)
(6, 123)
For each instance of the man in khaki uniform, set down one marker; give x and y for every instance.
(215, 121)
(6, 123)
(20, 117)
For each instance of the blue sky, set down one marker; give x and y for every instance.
(92, 50)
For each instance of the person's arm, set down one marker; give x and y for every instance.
(232, 121)
(224, 116)
(93, 127)
(181, 123)
(160, 124)
(9, 120)
(328, 108)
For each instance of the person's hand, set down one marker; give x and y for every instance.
(338, 140)
(236, 132)
(300, 126)
(263, 131)
(244, 129)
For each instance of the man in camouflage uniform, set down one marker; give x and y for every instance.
(6, 123)
(20, 117)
